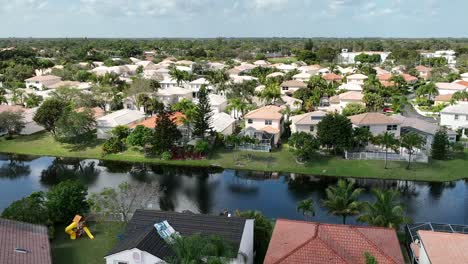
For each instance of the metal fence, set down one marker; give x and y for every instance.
(366, 155)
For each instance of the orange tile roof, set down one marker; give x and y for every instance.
(443, 247)
(384, 76)
(443, 97)
(270, 130)
(332, 77)
(409, 78)
(422, 68)
(464, 83)
(176, 117)
(316, 243)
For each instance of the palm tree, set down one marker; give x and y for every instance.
(306, 207)
(178, 75)
(342, 199)
(411, 141)
(430, 89)
(388, 141)
(142, 100)
(271, 93)
(386, 211)
(238, 105)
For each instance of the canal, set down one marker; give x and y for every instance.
(205, 190)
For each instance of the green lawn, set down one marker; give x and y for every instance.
(286, 60)
(280, 161)
(84, 250)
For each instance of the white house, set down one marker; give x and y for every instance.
(347, 57)
(268, 119)
(173, 95)
(303, 77)
(289, 87)
(195, 86)
(169, 83)
(286, 67)
(307, 122)
(223, 123)
(275, 74)
(42, 82)
(449, 88)
(148, 235)
(30, 127)
(448, 55)
(455, 117)
(464, 76)
(423, 71)
(261, 63)
(124, 117)
(377, 123)
(293, 103)
(440, 247)
(339, 102)
(354, 82)
(218, 103)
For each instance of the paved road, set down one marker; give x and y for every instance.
(409, 111)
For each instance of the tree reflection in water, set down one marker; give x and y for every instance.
(63, 169)
(14, 169)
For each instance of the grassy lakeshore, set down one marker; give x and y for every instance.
(279, 161)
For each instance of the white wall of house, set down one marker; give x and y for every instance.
(130, 257)
(380, 129)
(309, 129)
(423, 258)
(246, 255)
(453, 121)
(289, 90)
(258, 124)
(355, 81)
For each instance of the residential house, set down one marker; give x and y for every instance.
(223, 123)
(332, 78)
(42, 82)
(173, 95)
(177, 118)
(294, 104)
(407, 77)
(440, 247)
(380, 71)
(96, 111)
(302, 77)
(424, 72)
(24, 243)
(289, 87)
(340, 101)
(169, 83)
(354, 82)
(307, 122)
(377, 123)
(462, 82)
(144, 242)
(310, 69)
(124, 117)
(216, 65)
(443, 99)
(423, 128)
(464, 76)
(318, 243)
(268, 119)
(456, 117)
(195, 86)
(448, 55)
(449, 88)
(30, 127)
(261, 63)
(218, 103)
(286, 67)
(242, 78)
(275, 74)
(347, 57)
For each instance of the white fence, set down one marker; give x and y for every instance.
(365, 155)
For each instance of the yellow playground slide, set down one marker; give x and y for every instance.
(77, 227)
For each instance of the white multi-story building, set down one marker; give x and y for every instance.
(347, 57)
(455, 117)
(449, 55)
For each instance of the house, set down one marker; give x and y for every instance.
(461, 82)
(377, 123)
(124, 117)
(449, 88)
(96, 111)
(268, 119)
(448, 55)
(332, 77)
(195, 86)
(424, 72)
(71, 84)
(294, 104)
(456, 117)
(340, 101)
(169, 83)
(303, 77)
(242, 78)
(173, 95)
(275, 74)
(347, 57)
(307, 122)
(42, 82)
(223, 123)
(354, 82)
(443, 99)
(423, 128)
(218, 103)
(30, 127)
(177, 118)
(142, 243)
(407, 77)
(464, 76)
(310, 69)
(261, 63)
(318, 243)
(24, 243)
(289, 87)
(286, 67)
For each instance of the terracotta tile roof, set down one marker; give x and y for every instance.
(270, 130)
(266, 112)
(316, 243)
(176, 117)
(352, 96)
(32, 238)
(332, 77)
(384, 76)
(444, 247)
(409, 78)
(388, 76)
(422, 68)
(443, 97)
(372, 119)
(464, 83)
(97, 111)
(11, 108)
(294, 83)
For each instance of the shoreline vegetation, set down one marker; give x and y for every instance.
(281, 160)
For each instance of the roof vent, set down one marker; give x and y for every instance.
(21, 250)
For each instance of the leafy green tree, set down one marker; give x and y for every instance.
(354, 109)
(306, 207)
(398, 103)
(238, 105)
(440, 145)
(411, 141)
(219, 79)
(75, 127)
(361, 137)
(304, 145)
(179, 76)
(342, 199)
(429, 90)
(11, 122)
(388, 141)
(374, 102)
(335, 131)
(263, 228)
(32, 100)
(30, 209)
(386, 211)
(165, 133)
(139, 136)
(202, 147)
(120, 132)
(65, 200)
(198, 249)
(203, 114)
(271, 93)
(49, 113)
(113, 145)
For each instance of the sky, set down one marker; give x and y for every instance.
(233, 18)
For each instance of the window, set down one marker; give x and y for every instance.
(250, 121)
(392, 127)
(268, 122)
(366, 127)
(285, 88)
(122, 262)
(456, 117)
(312, 128)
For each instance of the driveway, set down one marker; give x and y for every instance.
(409, 111)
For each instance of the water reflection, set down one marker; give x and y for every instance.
(14, 169)
(70, 169)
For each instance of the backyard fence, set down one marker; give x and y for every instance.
(367, 155)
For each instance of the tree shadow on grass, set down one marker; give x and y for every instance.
(83, 145)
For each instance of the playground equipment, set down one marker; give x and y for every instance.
(77, 227)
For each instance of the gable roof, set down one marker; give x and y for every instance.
(311, 118)
(30, 237)
(309, 242)
(460, 108)
(461, 82)
(450, 86)
(43, 78)
(176, 117)
(420, 125)
(141, 234)
(444, 247)
(422, 68)
(220, 121)
(357, 76)
(443, 97)
(373, 119)
(294, 83)
(120, 117)
(351, 96)
(266, 112)
(331, 77)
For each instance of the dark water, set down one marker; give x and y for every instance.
(211, 190)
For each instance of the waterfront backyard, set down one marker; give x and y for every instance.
(278, 161)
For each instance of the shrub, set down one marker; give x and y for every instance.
(202, 147)
(65, 200)
(113, 145)
(166, 155)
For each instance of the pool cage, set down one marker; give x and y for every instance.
(264, 140)
(412, 237)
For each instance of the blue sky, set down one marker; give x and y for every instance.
(233, 18)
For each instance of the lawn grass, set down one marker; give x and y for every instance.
(277, 161)
(286, 60)
(84, 250)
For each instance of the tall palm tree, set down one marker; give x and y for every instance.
(271, 93)
(178, 75)
(386, 211)
(142, 100)
(430, 90)
(306, 207)
(411, 141)
(388, 141)
(342, 199)
(218, 79)
(238, 105)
